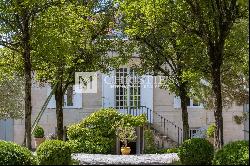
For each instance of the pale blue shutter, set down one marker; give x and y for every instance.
(147, 95)
(147, 91)
(177, 102)
(77, 99)
(52, 102)
(108, 89)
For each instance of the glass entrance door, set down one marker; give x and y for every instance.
(128, 93)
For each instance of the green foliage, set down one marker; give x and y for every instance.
(54, 152)
(170, 150)
(13, 154)
(149, 144)
(131, 120)
(196, 151)
(211, 130)
(67, 40)
(12, 96)
(96, 133)
(125, 132)
(240, 119)
(38, 132)
(234, 153)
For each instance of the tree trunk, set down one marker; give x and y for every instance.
(216, 85)
(59, 109)
(215, 54)
(183, 96)
(27, 75)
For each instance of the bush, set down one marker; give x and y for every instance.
(96, 133)
(38, 132)
(170, 150)
(210, 131)
(196, 151)
(234, 153)
(54, 152)
(13, 154)
(149, 144)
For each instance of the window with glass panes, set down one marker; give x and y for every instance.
(192, 103)
(127, 88)
(68, 99)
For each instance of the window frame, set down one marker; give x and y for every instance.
(130, 93)
(76, 104)
(200, 105)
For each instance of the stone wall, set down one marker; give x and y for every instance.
(163, 104)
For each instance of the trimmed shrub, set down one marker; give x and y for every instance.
(96, 133)
(54, 152)
(38, 132)
(13, 154)
(234, 153)
(196, 151)
(170, 150)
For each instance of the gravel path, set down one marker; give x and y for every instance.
(145, 159)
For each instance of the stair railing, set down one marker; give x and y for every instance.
(157, 122)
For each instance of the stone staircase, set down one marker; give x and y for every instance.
(163, 141)
(166, 133)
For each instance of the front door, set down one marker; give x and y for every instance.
(124, 90)
(127, 91)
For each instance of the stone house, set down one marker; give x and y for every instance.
(161, 107)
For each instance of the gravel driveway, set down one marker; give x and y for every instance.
(144, 159)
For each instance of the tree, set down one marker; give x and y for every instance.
(212, 22)
(235, 71)
(71, 38)
(11, 88)
(162, 46)
(16, 26)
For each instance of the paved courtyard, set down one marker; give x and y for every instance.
(145, 159)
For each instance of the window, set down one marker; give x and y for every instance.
(68, 97)
(127, 88)
(191, 103)
(71, 98)
(193, 132)
(197, 132)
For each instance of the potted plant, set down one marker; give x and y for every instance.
(125, 133)
(38, 135)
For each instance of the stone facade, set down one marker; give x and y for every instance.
(163, 104)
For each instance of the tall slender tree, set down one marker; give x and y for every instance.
(72, 38)
(163, 47)
(16, 27)
(212, 22)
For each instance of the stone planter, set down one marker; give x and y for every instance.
(38, 141)
(125, 150)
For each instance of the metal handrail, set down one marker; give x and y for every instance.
(164, 123)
